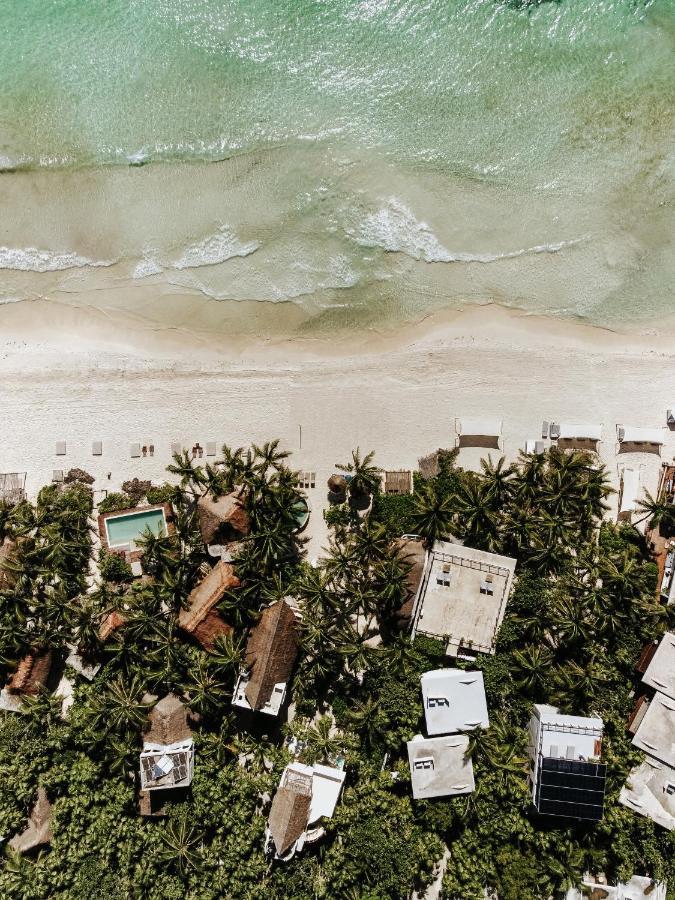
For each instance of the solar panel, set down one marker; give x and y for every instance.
(571, 788)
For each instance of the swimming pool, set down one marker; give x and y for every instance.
(127, 528)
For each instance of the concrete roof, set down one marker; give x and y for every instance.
(637, 888)
(566, 737)
(454, 700)
(439, 767)
(645, 792)
(660, 673)
(454, 602)
(656, 732)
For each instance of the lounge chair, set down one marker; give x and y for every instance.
(97, 448)
(176, 447)
(135, 450)
(211, 448)
(544, 429)
(60, 448)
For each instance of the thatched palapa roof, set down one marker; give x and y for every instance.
(31, 674)
(290, 810)
(111, 623)
(399, 482)
(204, 597)
(271, 652)
(222, 519)
(412, 552)
(212, 626)
(168, 722)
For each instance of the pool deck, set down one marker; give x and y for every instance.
(134, 554)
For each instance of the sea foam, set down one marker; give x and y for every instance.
(214, 249)
(395, 229)
(30, 259)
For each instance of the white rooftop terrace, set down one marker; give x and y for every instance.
(440, 767)
(463, 597)
(650, 791)
(454, 700)
(656, 732)
(566, 737)
(660, 673)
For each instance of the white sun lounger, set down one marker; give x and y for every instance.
(97, 448)
(60, 448)
(135, 450)
(211, 448)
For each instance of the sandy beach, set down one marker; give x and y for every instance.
(84, 377)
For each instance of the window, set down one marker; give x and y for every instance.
(669, 788)
(307, 480)
(433, 702)
(425, 763)
(443, 577)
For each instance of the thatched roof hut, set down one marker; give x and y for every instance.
(38, 830)
(31, 674)
(110, 624)
(271, 652)
(168, 722)
(289, 814)
(222, 519)
(412, 552)
(200, 619)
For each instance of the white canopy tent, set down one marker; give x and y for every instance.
(579, 431)
(630, 435)
(630, 488)
(478, 426)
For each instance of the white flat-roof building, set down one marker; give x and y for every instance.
(566, 776)
(650, 791)
(440, 766)
(462, 598)
(660, 671)
(640, 887)
(454, 700)
(654, 729)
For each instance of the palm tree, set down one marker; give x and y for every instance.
(324, 741)
(370, 721)
(658, 513)
(365, 477)
(182, 843)
(478, 514)
(205, 691)
(432, 512)
(269, 456)
(119, 708)
(532, 666)
(191, 476)
(498, 479)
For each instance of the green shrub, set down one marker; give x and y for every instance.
(114, 567)
(164, 493)
(114, 502)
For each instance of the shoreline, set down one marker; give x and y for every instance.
(397, 393)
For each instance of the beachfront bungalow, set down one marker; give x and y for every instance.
(462, 598)
(168, 756)
(638, 887)
(271, 652)
(566, 775)
(305, 796)
(200, 619)
(650, 788)
(27, 680)
(645, 440)
(222, 519)
(440, 766)
(454, 700)
(478, 432)
(576, 435)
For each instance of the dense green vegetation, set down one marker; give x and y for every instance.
(582, 607)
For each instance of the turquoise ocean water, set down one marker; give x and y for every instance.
(361, 160)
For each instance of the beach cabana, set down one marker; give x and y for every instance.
(478, 432)
(576, 434)
(645, 439)
(630, 489)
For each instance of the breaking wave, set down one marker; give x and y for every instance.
(395, 229)
(214, 249)
(30, 259)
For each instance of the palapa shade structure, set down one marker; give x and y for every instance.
(337, 484)
(290, 811)
(412, 552)
(31, 673)
(398, 482)
(271, 652)
(168, 722)
(222, 519)
(200, 619)
(7, 548)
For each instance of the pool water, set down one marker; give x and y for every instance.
(129, 528)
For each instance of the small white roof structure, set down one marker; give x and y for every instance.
(479, 426)
(650, 791)
(630, 435)
(454, 700)
(630, 489)
(660, 673)
(327, 785)
(640, 887)
(440, 766)
(580, 431)
(656, 731)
